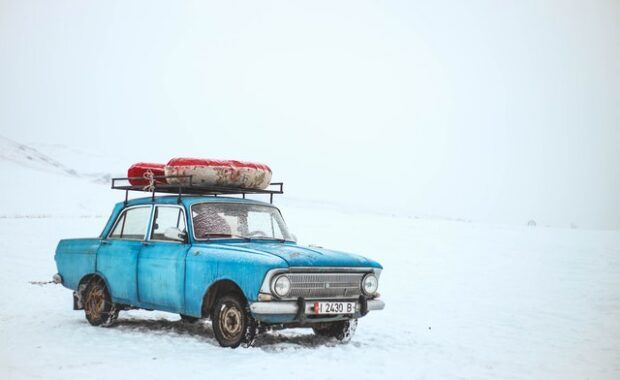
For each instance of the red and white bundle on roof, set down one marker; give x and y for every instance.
(208, 172)
(204, 172)
(141, 173)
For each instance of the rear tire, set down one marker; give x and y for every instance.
(343, 331)
(98, 307)
(232, 323)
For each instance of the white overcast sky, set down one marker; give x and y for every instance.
(495, 111)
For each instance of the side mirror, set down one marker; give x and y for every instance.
(173, 233)
(294, 237)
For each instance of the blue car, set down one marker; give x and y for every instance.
(228, 259)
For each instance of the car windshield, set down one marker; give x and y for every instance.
(238, 220)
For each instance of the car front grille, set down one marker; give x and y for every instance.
(325, 285)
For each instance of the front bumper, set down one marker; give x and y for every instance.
(291, 311)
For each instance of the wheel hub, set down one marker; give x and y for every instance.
(95, 302)
(230, 321)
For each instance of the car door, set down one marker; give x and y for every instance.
(161, 263)
(117, 257)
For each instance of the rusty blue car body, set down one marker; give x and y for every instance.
(176, 276)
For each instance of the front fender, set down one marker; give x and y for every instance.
(206, 265)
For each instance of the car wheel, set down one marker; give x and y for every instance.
(98, 306)
(341, 330)
(188, 319)
(232, 324)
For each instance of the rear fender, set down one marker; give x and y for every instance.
(78, 294)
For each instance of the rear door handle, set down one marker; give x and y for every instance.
(104, 242)
(146, 243)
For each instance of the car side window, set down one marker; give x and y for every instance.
(167, 217)
(131, 225)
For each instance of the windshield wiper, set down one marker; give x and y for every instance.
(225, 236)
(269, 238)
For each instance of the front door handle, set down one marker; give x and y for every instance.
(146, 243)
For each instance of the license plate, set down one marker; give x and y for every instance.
(334, 307)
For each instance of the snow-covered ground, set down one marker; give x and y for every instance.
(464, 300)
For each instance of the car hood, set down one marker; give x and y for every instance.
(301, 256)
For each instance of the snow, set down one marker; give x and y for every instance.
(464, 300)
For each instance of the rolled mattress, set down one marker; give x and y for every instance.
(229, 173)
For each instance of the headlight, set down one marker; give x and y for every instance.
(370, 284)
(281, 286)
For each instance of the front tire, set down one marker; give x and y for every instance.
(341, 330)
(232, 324)
(98, 306)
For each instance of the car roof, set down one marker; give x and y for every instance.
(189, 200)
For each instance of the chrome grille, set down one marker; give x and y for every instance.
(325, 285)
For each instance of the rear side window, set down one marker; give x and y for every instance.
(167, 217)
(131, 225)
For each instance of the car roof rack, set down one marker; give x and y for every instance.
(187, 187)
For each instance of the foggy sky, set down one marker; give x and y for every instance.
(495, 111)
